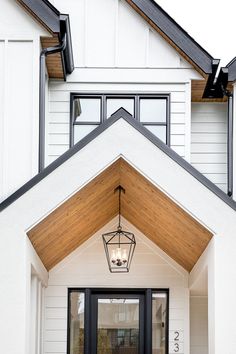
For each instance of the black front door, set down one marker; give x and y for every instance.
(117, 323)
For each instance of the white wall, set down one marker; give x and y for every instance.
(87, 267)
(198, 325)
(109, 33)
(115, 50)
(209, 141)
(199, 201)
(19, 72)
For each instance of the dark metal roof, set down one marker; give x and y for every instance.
(121, 113)
(57, 23)
(232, 69)
(176, 34)
(45, 12)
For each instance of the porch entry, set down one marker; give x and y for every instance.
(117, 321)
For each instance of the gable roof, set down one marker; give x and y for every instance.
(143, 204)
(174, 33)
(120, 114)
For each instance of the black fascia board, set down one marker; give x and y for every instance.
(209, 91)
(176, 34)
(121, 113)
(232, 69)
(46, 13)
(68, 52)
(216, 88)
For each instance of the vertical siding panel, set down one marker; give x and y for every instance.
(100, 28)
(19, 111)
(131, 41)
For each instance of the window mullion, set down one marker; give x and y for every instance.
(103, 108)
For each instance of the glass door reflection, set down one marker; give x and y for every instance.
(118, 325)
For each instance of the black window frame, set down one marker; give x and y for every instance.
(90, 293)
(104, 95)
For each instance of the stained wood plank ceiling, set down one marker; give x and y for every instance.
(143, 204)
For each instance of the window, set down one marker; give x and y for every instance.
(90, 110)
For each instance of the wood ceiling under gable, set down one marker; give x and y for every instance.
(143, 204)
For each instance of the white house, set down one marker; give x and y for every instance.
(115, 125)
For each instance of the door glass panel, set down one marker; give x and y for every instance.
(76, 323)
(159, 303)
(158, 130)
(87, 109)
(118, 326)
(113, 104)
(152, 110)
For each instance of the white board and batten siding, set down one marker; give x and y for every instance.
(115, 50)
(151, 268)
(19, 73)
(209, 141)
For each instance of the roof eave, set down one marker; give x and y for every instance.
(232, 70)
(45, 12)
(199, 56)
(68, 52)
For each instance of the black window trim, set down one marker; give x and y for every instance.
(147, 292)
(103, 95)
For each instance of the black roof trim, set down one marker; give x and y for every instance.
(176, 34)
(121, 113)
(232, 69)
(216, 86)
(46, 13)
(56, 23)
(68, 52)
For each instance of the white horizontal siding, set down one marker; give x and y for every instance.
(59, 112)
(149, 269)
(199, 325)
(209, 141)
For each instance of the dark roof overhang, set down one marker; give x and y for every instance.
(57, 24)
(176, 34)
(232, 70)
(68, 52)
(45, 12)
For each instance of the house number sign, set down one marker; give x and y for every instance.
(176, 341)
(176, 344)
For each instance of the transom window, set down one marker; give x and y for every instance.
(88, 111)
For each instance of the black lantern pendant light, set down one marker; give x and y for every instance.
(119, 245)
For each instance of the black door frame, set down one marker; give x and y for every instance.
(115, 295)
(146, 318)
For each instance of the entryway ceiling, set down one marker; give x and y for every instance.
(144, 205)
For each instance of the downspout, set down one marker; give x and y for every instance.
(230, 145)
(44, 53)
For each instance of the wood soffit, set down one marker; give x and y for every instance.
(144, 205)
(53, 61)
